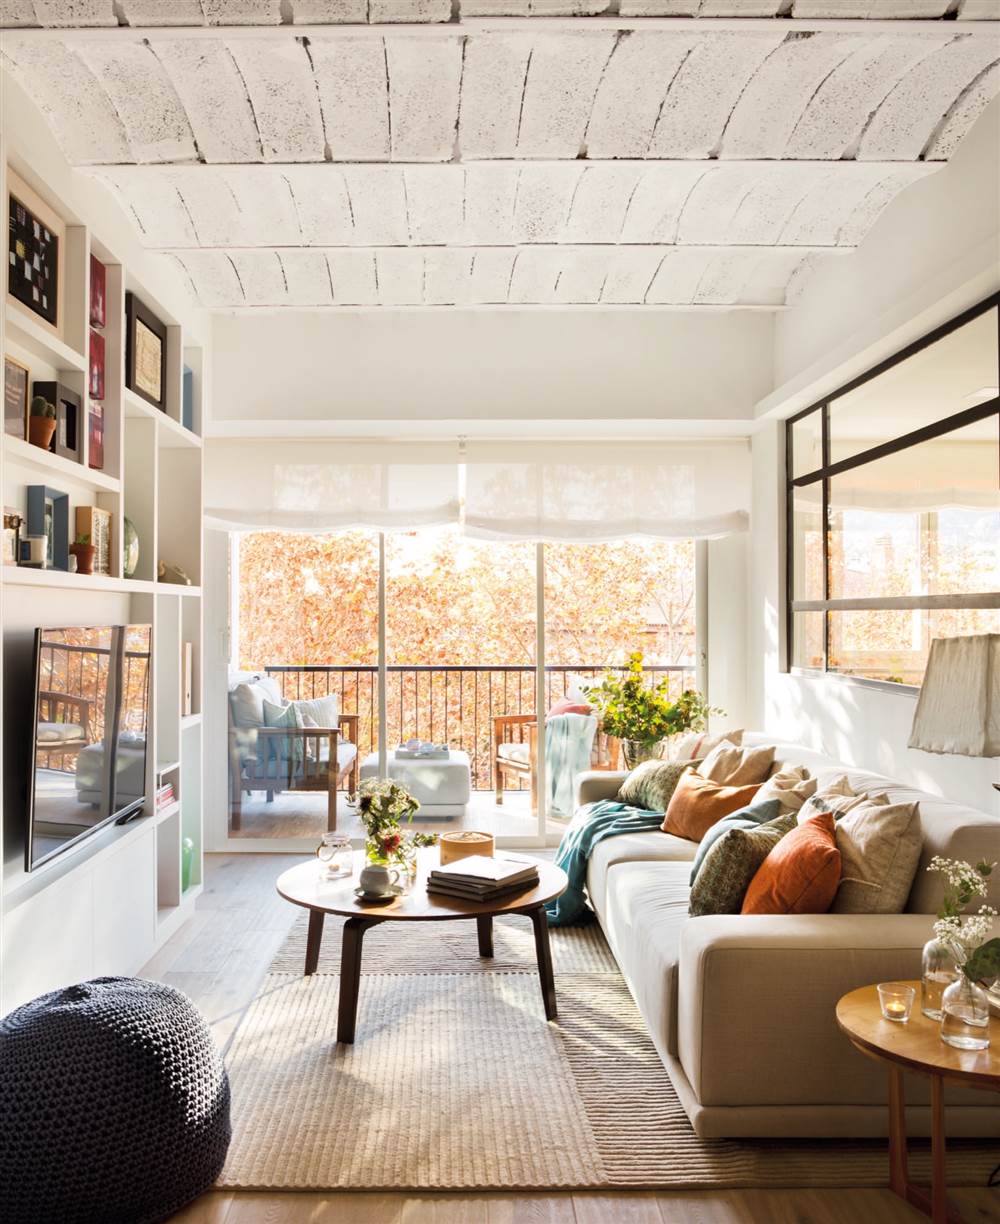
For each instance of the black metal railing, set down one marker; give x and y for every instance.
(450, 704)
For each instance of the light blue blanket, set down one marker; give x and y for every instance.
(568, 741)
(592, 824)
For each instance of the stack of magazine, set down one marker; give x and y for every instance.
(479, 878)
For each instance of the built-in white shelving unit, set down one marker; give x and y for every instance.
(105, 905)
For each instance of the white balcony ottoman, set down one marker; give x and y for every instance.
(442, 788)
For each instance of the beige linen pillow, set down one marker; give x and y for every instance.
(731, 766)
(879, 846)
(692, 745)
(837, 797)
(791, 786)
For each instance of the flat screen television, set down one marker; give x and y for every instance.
(90, 722)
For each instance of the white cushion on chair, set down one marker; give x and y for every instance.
(56, 733)
(324, 711)
(518, 754)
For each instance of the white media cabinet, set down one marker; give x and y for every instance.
(106, 905)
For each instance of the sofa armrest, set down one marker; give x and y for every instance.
(595, 784)
(757, 997)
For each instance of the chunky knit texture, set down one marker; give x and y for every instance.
(114, 1105)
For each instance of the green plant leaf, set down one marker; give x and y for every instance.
(984, 964)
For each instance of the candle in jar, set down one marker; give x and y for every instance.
(896, 1009)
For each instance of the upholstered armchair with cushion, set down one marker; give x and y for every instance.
(277, 746)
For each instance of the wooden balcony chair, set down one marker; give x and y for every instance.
(63, 726)
(515, 753)
(276, 759)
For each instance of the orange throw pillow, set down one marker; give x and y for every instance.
(801, 874)
(697, 804)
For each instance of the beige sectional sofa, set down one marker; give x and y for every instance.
(741, 1008)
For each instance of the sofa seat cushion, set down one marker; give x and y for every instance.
(652, 847)
(647, 905)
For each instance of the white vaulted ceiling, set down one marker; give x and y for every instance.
(298, 153)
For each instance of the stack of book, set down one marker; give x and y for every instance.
(478, 878)
(164, 796)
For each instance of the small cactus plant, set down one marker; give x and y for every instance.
(40, 407)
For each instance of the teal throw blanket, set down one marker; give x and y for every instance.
(592, 824)
(568, 741)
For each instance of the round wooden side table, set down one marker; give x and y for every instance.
(916, 1047)
(306, 885)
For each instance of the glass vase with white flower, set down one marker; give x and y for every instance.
(965, 1009)
(382, 807)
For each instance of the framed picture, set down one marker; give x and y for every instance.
(145, 353)
(68, 438)
(98, 293)
(35, 253)
(96, 365)
(11, 546)
(95, 523)
(16, 382)
(95, 447)
(48, 516)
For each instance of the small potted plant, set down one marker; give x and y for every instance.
(642, 715)
(85, 553)
(41, 422)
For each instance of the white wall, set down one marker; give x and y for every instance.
(931, 254)
(934, 252)
(412, 367)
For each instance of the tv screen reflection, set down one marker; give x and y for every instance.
(92, 690)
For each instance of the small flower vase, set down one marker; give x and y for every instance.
(407, 864)
(965, 1015)
(636, 751)
(938, 972)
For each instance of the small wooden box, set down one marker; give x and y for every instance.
(459, 845)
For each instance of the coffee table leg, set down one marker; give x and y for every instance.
(350, 977)
(540, 921)
(898, 1174)
(314, 940)
(939, 1187)
(484, 927)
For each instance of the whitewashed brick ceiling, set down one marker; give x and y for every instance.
(286, 153)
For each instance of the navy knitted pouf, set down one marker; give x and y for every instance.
(114, 1105)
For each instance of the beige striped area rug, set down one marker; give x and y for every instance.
(456, 1082)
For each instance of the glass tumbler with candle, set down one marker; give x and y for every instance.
(335, 853)
(896, 1001)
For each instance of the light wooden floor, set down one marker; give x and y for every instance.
(219, 958)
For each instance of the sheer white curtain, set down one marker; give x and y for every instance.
(587, 492)
(323, 486)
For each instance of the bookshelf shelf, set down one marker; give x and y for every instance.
(40, 342)
(18, 451)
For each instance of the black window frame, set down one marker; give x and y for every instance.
(828, 470)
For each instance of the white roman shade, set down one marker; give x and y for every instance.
(581, 493)
(322, 485)
(577, 492)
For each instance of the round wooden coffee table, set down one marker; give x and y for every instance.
(306, 885)
(917, 1047)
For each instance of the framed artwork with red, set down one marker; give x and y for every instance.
(95, 456)
(98, 293)
(96, 380)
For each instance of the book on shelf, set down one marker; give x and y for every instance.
(164, 795)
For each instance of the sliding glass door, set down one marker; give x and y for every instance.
(465, 666)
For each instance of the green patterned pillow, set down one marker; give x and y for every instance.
(651, 784)
(730, 865)
(284, 750)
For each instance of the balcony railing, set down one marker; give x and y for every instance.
(450, 704)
